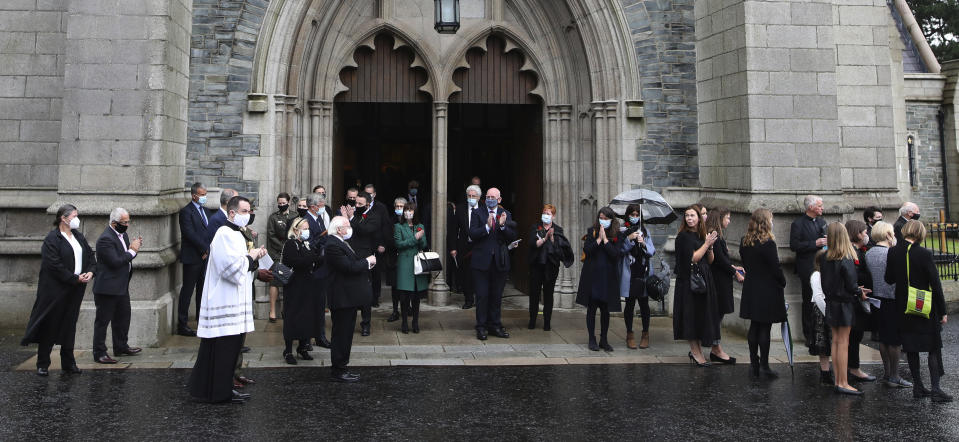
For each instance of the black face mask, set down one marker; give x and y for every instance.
(252, 217)
(351, 202)
(915, 216)
(283, 207)
(302, 211)
(120, 228)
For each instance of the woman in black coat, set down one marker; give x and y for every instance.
(918, 334)
(599, 281)
(724, 273)
(694, 314)
(763, 302)
(67, 265)
(859, 235)
(299, 296)
(548, 247)
(641, 250)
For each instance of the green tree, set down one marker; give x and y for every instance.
(939, 20)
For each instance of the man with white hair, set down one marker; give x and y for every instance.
(908, 211)
(349, 289)
(460, 244)
(807, 235)
(111, 287)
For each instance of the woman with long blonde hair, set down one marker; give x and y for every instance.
(763, 302)
(841, 289)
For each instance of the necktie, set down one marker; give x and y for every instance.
(203, 216)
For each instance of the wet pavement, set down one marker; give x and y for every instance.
(638, 401)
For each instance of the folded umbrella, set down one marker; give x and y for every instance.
(788, 341)
(653, 207)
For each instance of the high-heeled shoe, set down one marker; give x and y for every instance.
(698, 364)
(714, 358)
(305, 355)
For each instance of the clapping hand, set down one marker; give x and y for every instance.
(502, 219)
(257, 253)
(419, 234)
(136, 244)
(371, 259)
(711, 238)
(549, 234)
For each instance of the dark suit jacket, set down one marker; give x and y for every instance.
(194, 241)
(386, 227)
(114, 265)
(490, 248)
(366, 232)
(216, 220)
(897, 230)
(457, 234)
(349, 284)
(57, 281)
(317, 242)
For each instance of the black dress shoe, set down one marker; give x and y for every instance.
(405, 329)
(500, 333)
(468, 306)
(940, 396)
(605, 346)
(186, 331)
(867, 378)
(918, 391)
(72, 369)
(593, 346)
(532, 324)
(481, 335)
(416, 328)
(714, 358)
(323, 342)
(130, 351)
(308, 346)
(395, 316)
(43, 371)
(289, 358)
(365, 330)
(305, 355)
(375, 304)
(105, 359)
(244, 349)
(272, 320)
(345, 377)
(768, 372)
(841, 390)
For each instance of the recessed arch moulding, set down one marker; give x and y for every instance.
(580, 52)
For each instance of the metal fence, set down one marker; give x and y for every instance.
(942, 240)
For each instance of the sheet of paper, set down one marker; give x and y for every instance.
(514, 244)
(266, 263)
(874, 301)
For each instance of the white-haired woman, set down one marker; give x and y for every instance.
(299, 309)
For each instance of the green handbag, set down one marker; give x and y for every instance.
(919, 302)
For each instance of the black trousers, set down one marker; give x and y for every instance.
(60, 326)
(319, 327)
(212, 377)
(808, 313)
(542, 280)
(114, 311)
(603, 319)
(464, 275)
(630, 309)
(489, 286)
(366, 311)
(193, 275)
(344, 321)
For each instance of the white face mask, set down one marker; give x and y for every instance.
(472, 201)
(75, 222)
(304, 235)
(241, 220)
(408, 215)
(546, 218)
(349, 233)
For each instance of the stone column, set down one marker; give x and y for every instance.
(285, 158)
(123, 142)
(321, 146)
(560, 180)
(439, 292)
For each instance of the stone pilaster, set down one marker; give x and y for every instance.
(439, 291)
(123, 141)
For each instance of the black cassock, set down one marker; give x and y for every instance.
(212, 376)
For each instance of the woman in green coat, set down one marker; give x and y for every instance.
(410, 239)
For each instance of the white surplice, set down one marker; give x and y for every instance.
(227, 303)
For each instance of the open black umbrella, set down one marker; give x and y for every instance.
(654, 208)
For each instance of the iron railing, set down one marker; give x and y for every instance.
(943, 240)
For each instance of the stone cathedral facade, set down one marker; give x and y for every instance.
(741, 103)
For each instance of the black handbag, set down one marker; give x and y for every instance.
(657, 284)
(281, 272)
(425, 263)
(697, 282)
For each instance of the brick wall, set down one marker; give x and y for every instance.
(666, 49)
(221, 61)
(921, 121)
(31, 91)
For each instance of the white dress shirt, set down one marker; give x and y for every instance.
(77, 253)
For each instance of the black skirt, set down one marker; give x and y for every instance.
(840, 314)
(212, 377)
(888, 322)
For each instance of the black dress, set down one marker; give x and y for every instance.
(918, 334)
(694, 315)
(763, 299)
(299, 296)
(841, 288)
(723, 275)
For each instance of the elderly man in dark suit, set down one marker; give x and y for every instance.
(908, 211)
(194, 247)
(349, 289)
(491, 230)
(318, 237)
(111, 288)
(459, 242)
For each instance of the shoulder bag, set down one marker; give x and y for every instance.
(426, 262)
(697, 282)
(281, 272)
(919, 302)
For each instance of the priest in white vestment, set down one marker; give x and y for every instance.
(226, 309)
